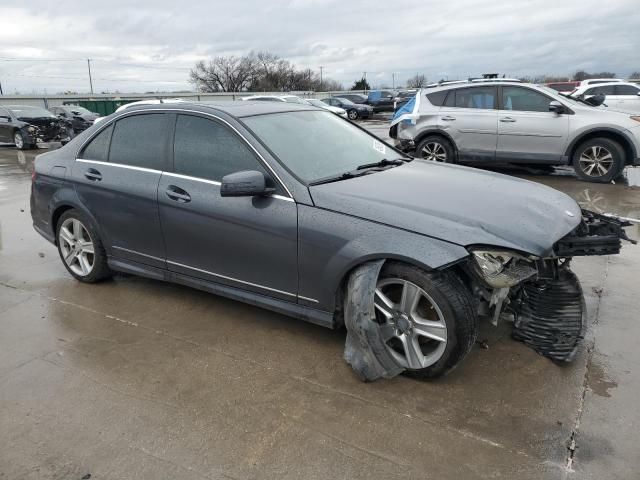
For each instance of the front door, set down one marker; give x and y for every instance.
(469, 115)
(243, 242)
(6, 127)
(527, 131)
(116, 177)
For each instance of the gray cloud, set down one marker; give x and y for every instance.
(152, 45)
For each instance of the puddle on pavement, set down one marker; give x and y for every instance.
(599, 381)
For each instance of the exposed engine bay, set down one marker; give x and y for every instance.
(542, 296)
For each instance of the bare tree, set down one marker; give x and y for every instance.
(635, 75)
(417, 81)
(223, 74)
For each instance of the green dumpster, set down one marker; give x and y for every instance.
(103, 107)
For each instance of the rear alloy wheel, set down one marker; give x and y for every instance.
(426, 319)
(353, 114)
(435, 149)
(81, 249)
(599, 160)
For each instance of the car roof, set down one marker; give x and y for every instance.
(467, 84)
(606, 84)
(236, 108)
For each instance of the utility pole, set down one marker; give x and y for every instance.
(393, 81)
(90, 80)
(1, 89)
(321, 67)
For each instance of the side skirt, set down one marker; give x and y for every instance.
(311, 315)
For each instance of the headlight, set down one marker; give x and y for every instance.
(31, 129)
(502, 269)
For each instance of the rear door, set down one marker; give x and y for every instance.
(527, 131)
(470, 116)
(6, 126)
(117, 175)
(627, 97)
(243, 242)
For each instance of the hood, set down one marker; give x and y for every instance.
(457, 204)
(41, 121)
(89, 117)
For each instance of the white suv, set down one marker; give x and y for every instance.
(506, 122)
(619, 95)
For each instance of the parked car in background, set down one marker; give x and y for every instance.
(26, 126)
(382, 100)
(518, 123)
(402, 98)
(80, 117)
(354, 97)
(274, 98)
(320, 104)
(151, 101)
(355, 111)
(289, 208)
(623, 96)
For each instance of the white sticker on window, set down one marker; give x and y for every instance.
(379, 147)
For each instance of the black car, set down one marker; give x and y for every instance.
(80, 117)
(25, 126)
(382, 100)
(293, 209)
(354, 110)
(354, 97)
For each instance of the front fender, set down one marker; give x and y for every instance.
(331, 244)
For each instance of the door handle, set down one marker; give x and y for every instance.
(93, 175)
(507, 119)
(177, 194)
(448, 118)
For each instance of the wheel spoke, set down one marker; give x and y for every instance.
(430, 329)
(590, 168)
(387, 332)
(77, 229)
(412, 351)
(410, 297)
(86, 246)
(66, 235)
(85, 266)
(70, 257)
(383, 304)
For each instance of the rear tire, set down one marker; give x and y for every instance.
(439, 329)
(80, 248)
(435, 148)
(599, 160)
(353, 114)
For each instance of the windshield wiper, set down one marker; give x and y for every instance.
(362, 170)
(383, 163)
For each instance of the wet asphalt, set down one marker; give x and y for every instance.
(135, 378)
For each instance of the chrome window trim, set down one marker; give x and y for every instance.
(137, 253)
(119, 165)
(313, 300)
(233, 279)
(182, 110)
(188, 177)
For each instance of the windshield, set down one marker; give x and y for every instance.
(76, 110)
(561, 98)
(316, 145)
(316, 103)
(346, 101)
(31, 112)
(293, 100)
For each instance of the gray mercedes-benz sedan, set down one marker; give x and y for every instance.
(296, 210)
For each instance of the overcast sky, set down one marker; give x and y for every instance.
(151, 45)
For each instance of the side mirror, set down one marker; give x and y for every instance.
(596, 100)
(247, 183)
(556, 106)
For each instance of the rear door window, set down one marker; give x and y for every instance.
(98, 147)
(604, 90)
(524, 100)
(139, 141)
(626, 90)
(479, 97)
(437, 98)
(207, 149)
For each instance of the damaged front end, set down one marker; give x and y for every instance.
(542, 296)
(43, 130)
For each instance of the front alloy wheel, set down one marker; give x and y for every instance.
(353, 114)
(18, 140)
(596, 161)
(411, 323)
(76, 247)
(434, 151)
(599, 160)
